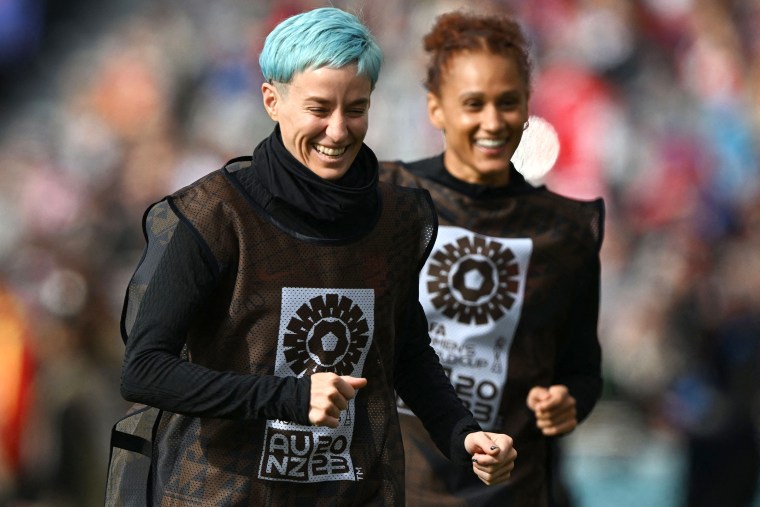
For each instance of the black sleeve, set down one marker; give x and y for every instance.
(172, 284)
(579, 362)
(423, 385)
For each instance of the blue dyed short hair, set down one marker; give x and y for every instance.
(324, 37)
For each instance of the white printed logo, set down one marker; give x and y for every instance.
(473, 279)
(472, 293)
(321, 330)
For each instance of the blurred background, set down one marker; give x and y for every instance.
(107, 106)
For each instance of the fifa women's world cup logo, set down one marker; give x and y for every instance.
(472, 293)
(321, 330)
(473, 280)
(327, 334)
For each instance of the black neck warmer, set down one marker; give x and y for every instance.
(292, 183)
(433, 168)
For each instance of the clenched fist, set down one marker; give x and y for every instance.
(493, 456)
(554, 409)
(330, 394)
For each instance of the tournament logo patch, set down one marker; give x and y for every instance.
(321, 330)
(328, 333)
(473, 279)
(472, 292)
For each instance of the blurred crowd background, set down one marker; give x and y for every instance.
(107, 106)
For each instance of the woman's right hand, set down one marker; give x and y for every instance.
(330, 394)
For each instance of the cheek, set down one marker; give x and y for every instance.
(517, 118)
(359, 127)
(465, 123)
(459, 132)
(307, 130)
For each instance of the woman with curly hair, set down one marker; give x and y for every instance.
(511, 288)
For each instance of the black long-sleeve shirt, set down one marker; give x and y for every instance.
(534, 325)
(154, 372)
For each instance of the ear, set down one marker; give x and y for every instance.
(435, 111)
(527, 103)
(271, 98)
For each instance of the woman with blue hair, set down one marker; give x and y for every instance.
(274, 314)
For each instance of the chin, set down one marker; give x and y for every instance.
(330, 173)
(493, 170)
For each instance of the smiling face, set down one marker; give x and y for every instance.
(482, 107)
(323, 116)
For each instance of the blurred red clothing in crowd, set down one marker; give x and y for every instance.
(16, 375)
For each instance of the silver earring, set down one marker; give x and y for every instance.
(526, 125)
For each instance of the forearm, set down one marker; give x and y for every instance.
(579, 364)
(162, 380)
(423, 385)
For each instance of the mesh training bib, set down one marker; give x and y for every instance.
(287, 306)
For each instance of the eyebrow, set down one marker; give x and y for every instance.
(477, 94)
(320, 100)
(359, 103)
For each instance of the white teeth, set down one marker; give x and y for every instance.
(332, 152)
(490, 143)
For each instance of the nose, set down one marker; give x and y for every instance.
(336, 127)
(492, 119)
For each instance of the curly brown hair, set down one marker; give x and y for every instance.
(458, 31)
